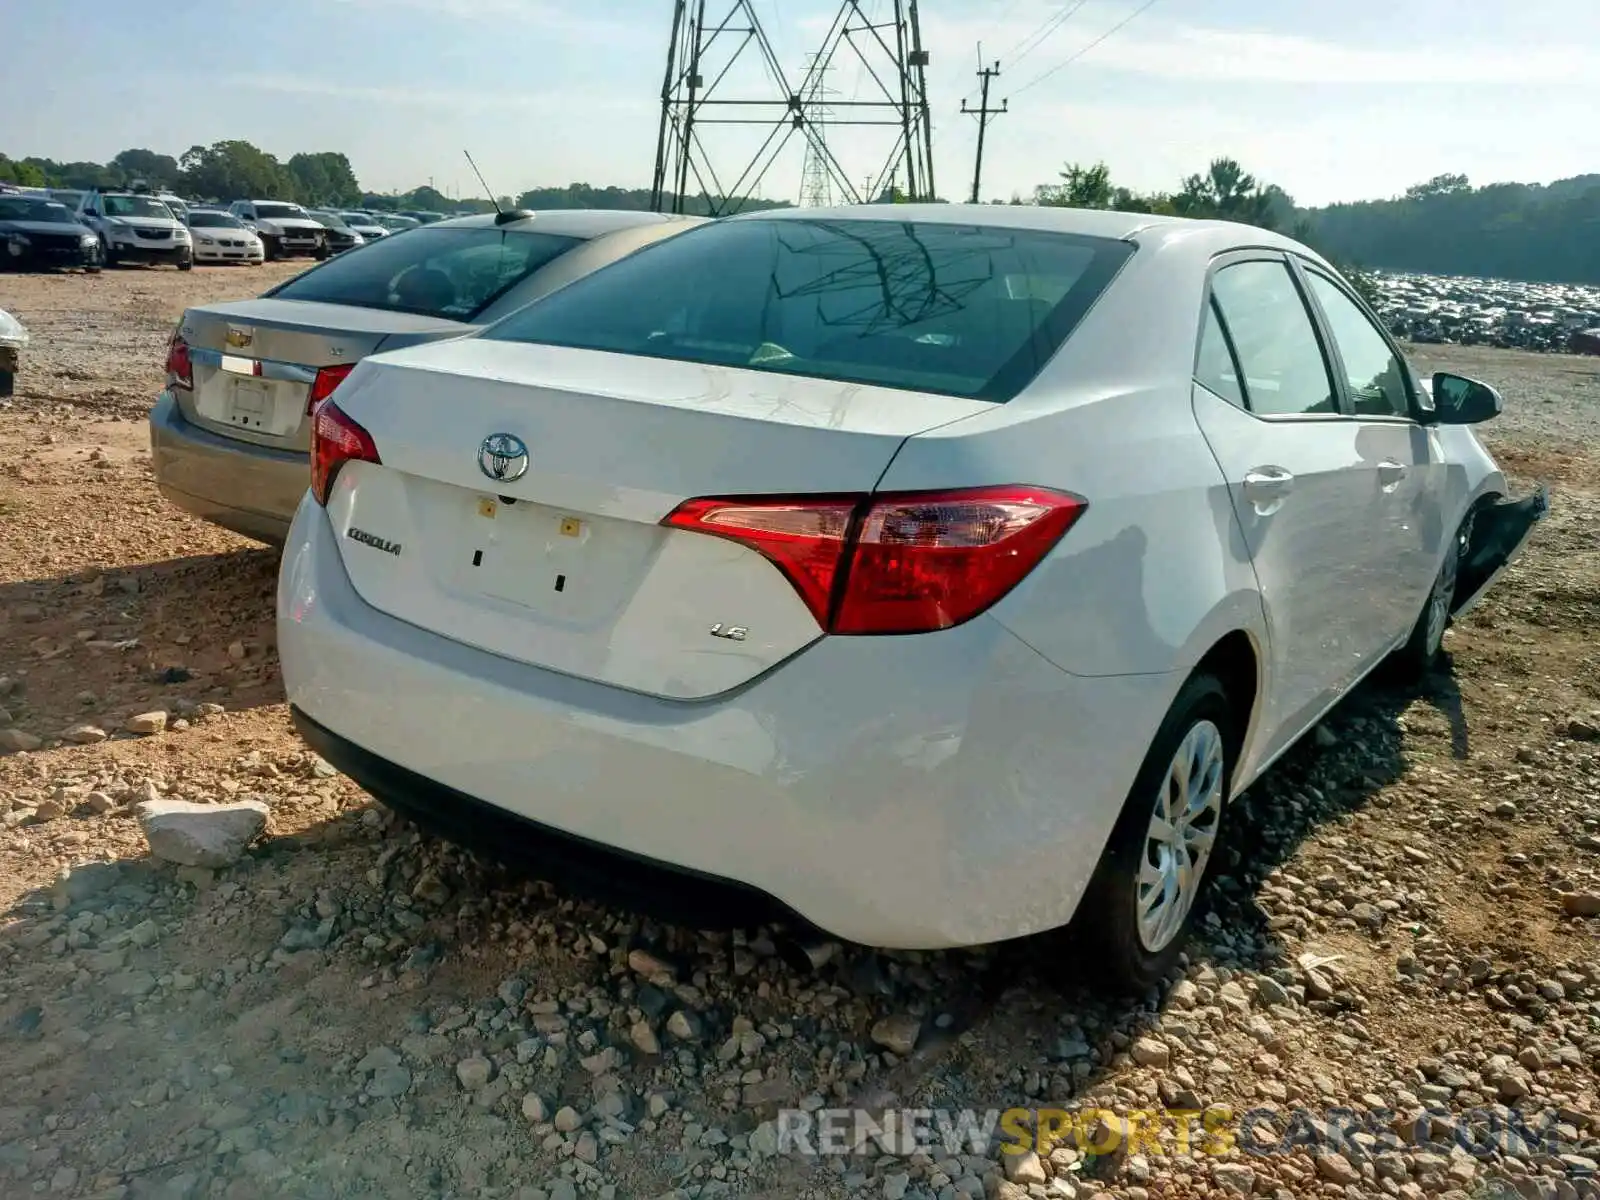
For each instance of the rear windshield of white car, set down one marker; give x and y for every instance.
(206, 220)
(964, 310)
(453, 273)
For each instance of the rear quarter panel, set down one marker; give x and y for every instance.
(1155, 571)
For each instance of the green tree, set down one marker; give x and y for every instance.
(1439, 185)
(23, 174)
(1226, 192)
(1080, 187)
(158, 170)
(324, 178)
(235, 170)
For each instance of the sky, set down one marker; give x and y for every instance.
(1344, 101)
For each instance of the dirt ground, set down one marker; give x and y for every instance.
(1396, 961)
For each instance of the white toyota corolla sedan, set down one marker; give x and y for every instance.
(936, 574)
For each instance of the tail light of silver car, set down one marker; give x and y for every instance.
(907, 562)
(335, 440)
(180, 371)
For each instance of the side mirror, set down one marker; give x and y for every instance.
(1458, 400)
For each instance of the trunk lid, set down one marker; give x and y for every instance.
(567, 566)
(254, 360)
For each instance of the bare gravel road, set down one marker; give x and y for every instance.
(1402, 965)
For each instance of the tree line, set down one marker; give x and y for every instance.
(226, 170)
(1546, 233)
(1225, 191)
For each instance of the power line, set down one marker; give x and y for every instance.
(1038, 37)
(1077, 54)
(1044, 33)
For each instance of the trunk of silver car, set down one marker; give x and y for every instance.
(255, 361)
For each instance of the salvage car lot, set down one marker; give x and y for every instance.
(352, 1010)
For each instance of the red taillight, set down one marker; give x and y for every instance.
(804, 538)
(335, 440)
(899, 563)
(180, 371)
(324, 382)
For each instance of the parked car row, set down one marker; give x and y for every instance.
(45, 229)
(929, 575)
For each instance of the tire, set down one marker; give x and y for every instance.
(321, 253)
(269, 248)
(108, 256)
(1414, 660)
(186, 264)
(1131, 953)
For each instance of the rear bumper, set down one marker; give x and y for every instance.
(249, 489)
(942, 790)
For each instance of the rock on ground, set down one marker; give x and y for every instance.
(201, 835)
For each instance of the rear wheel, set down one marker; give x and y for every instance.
(1140, 906)
(1416, 658)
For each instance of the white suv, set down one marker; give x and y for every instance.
(284, 229)
(135, 227)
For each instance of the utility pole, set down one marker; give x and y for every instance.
(984, 114)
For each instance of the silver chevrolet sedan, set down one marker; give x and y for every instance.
(231, 431)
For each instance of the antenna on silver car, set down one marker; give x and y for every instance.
(502, 216)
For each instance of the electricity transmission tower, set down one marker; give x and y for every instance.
(816, 186)
(697, 91)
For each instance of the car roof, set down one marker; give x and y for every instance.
(569, 222)
(1088, 222)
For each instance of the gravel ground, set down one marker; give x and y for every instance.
(1402, 955)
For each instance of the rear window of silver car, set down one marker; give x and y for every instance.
(959, 309)
(450, 273)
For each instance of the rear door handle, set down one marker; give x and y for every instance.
(1269, 481)
(1266, 488)
(1390, 473)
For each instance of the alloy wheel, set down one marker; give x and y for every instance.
(1182, 833)
(1444, 588)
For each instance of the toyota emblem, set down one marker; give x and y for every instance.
(503, 457)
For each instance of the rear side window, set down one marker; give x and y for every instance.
(452, 273)
(1276, 343)
(1214, 367)
(963, 310)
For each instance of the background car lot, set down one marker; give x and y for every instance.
(1388, 837)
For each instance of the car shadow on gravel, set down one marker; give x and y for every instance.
(95, 647)
(351, 934)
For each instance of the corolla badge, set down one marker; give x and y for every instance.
(503, 457)
(239, 337)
